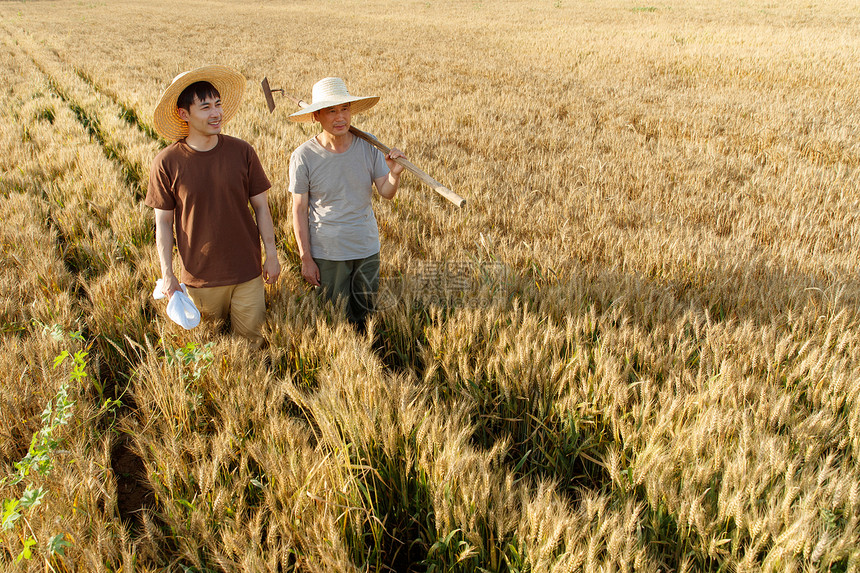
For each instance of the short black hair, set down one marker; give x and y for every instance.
(197, 90)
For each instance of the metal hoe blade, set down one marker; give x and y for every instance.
(267, 91)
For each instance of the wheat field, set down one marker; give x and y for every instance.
(637, 347)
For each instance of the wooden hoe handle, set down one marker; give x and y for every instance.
(435, 185)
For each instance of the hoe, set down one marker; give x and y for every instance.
(435, 185)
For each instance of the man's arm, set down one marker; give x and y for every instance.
(387, 185)
(164, 244)
(310, 270)
(271, 266)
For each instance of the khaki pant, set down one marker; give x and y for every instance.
(245, 303)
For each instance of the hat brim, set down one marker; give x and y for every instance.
(229, 83)
(357, 105)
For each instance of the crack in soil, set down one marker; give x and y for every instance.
(134, 493)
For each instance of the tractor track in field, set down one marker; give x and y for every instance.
(51, 65)
(134, 493)
(128, 113)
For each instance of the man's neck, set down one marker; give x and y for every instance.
(199, 142)
(335, 143)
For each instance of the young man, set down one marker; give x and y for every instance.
(200, 186)
(331, 178)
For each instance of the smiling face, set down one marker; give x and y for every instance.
(204, 117)
(335, 120)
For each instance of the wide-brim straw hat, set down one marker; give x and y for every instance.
(329, 92)
(229, 83)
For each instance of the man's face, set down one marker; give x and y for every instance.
(335, 120)
(203, 117)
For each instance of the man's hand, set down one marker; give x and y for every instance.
(272, 266)
(395, 168)
(170, 285)
(310, 271)
(164, 244)
(271, 270)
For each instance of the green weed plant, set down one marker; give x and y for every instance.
(39, 461)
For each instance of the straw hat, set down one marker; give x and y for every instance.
(229, 83)
(329, 92)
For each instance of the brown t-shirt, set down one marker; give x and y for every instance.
(217, 237)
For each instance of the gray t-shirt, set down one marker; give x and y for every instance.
(340, 186)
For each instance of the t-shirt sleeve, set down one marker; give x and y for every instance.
(299, 178)
(159, 192)
(258, 181)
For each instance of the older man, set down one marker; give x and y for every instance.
(332, 177)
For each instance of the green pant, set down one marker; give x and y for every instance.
(354, 282)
